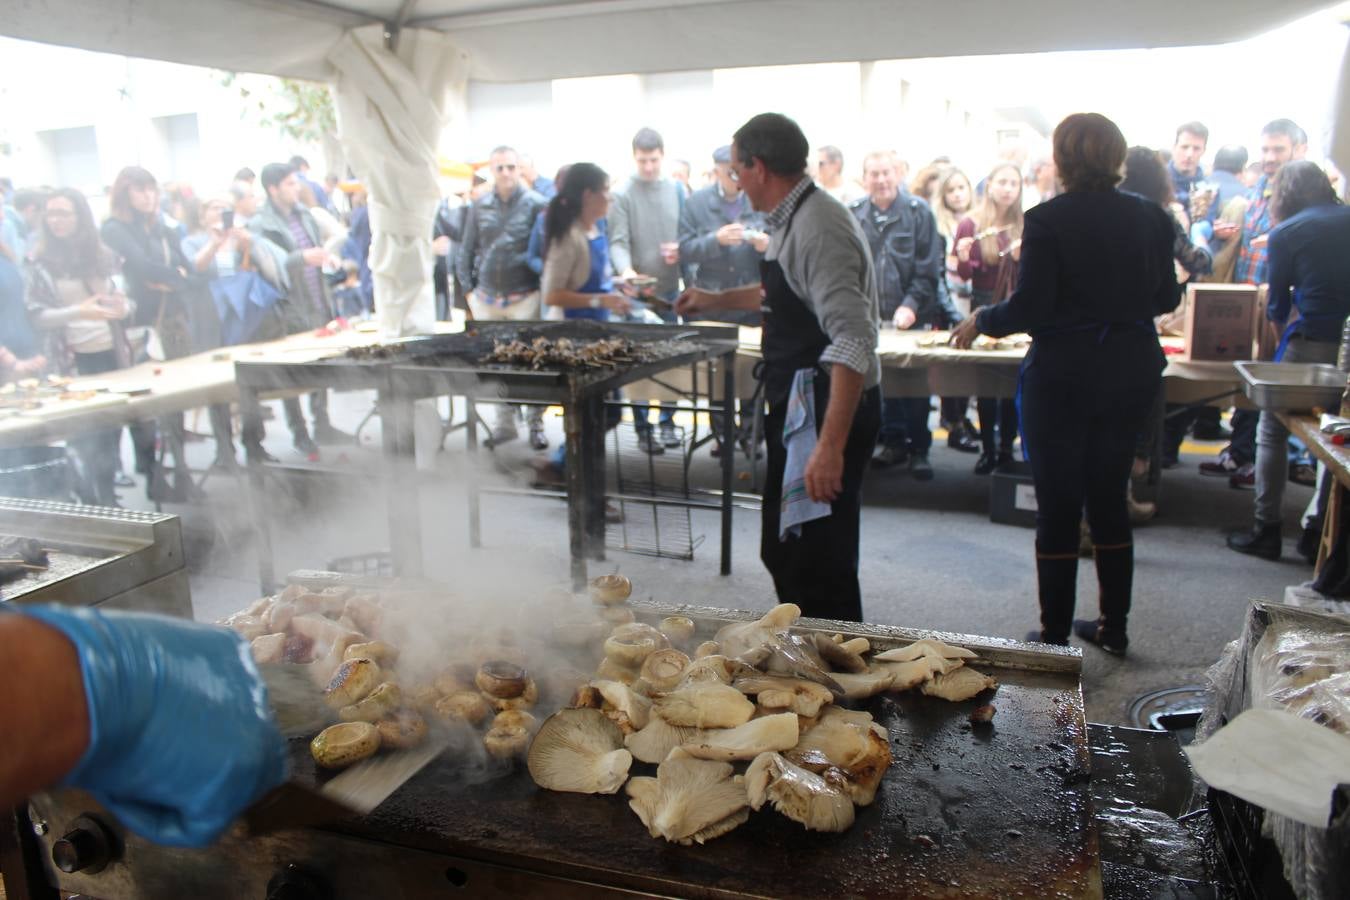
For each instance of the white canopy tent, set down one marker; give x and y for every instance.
(401, 67)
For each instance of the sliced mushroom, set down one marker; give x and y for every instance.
(925, 647)
(624, 706)
(380, 702)
(631, 644)
(663, 669)
(677, 629)
(654, 743)
(353, 680)
(960, 685)
(763, 735)
(850, 741)
(467, 707)
(775, 692)
(581, 751)
(705, 705)
(501, 679)
(839, 657)
(800, 795)
(689, 799)
(403, 730)
(868, 684)
(338, 746)
(610, 590)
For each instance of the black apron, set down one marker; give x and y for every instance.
(817, 570)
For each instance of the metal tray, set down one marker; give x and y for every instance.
(1292, 386)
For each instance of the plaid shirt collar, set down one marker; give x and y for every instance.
(783, 211)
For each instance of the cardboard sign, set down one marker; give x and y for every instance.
(1221, 322)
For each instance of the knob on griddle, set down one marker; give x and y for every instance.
(294, 883)
(86, 847)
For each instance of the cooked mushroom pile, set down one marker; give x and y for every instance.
(545, 352)
(758, 698)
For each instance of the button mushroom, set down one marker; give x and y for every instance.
(403, 730)
(631, 644)
(380, 702)
(663, 668)
(762, 735)
(463, 707)
(501, 679)
(690, 800)
(382, 653)
(677, 629)
(581, 751)
(610, 590)
(353, 680)
(798, 794)
(338, 746)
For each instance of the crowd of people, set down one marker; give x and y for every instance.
(171, 271)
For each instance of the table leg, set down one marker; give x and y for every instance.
(250, 410)
(573, 474)
(728, 452)
(471, 441)
(1331, 526)
(593, 474)
(405, 513)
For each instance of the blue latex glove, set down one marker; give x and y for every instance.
(181, 733)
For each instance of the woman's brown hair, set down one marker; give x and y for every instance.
(82, 255)
(119, 201)
(1089, 151)
(1297, 186)
(986, 216)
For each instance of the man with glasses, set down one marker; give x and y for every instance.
(821, 312)
(494, 271)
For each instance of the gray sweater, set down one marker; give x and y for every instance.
(643, 216)
(827, 263)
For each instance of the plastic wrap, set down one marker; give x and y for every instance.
(1297, 660)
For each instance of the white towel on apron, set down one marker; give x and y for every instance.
(799, 438)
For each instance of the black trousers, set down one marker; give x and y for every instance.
(818, 570)
(1085, 399)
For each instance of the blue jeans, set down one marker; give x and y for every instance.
(641, 413)
(904, 423)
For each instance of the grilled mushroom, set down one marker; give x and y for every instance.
(631, 644)
(851, 741)
(269, 648)
(380, 702)
(624, 706)
(868, 684)
(798, 794)
(501, 679)
(338, 746)
(677, 629)
(382, 653)
(906, 675)
(775, 692)
(581, 751)
(467, 707)
(707, 648)
(959, 685)
(525, 700)
(690, 800)
(353, 680)
(610, 590)
(663, 668)
(707, 668)
(616, 615)
(769, 733)
(840, 657)
(705, 705)
(403, 730)
(925, 647)
(654, 743)
(609, 670)
(514, 718)
(507, 743)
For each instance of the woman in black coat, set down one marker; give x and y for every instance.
(1096, 268)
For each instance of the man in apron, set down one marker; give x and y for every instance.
(819, 300)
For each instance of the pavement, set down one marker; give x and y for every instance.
(931, 558)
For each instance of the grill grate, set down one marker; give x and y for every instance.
(652, 528)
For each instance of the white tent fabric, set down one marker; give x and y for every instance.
(392, 105)
(1338, 148)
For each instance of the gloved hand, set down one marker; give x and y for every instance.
(181, 733)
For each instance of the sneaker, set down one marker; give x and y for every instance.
(920, 467)
(960, 437)
(1310, 544)
(1220, 467)
(327, 435)
(538, 441)
(893, 455)
(987, 463)
(1264, 541)
(1091, 630)
(1038, 637)
(1244, 478)
(648, 443)
(670, 437)
(1304, 474)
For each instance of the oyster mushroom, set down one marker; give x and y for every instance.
(380, 702)
(677, 629)
(581, 751)
(742, 637)
(840, 657)
(705, 705)
(867, 684)
(467, 707)
(631, 644)
(925, 647)
(763, 735)
(800, 795)
(850, 741)
(959, 685)
(501, 679)
(352, 681)
(338, 746)
(403, 730)
(690, 800)
(857, 645)
(663, 669)
(654, 743)
(707, 648)
(624, 706)
(906, 675)
(610, 590)
(775, 692)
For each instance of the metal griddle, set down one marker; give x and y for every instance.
(962, 812)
